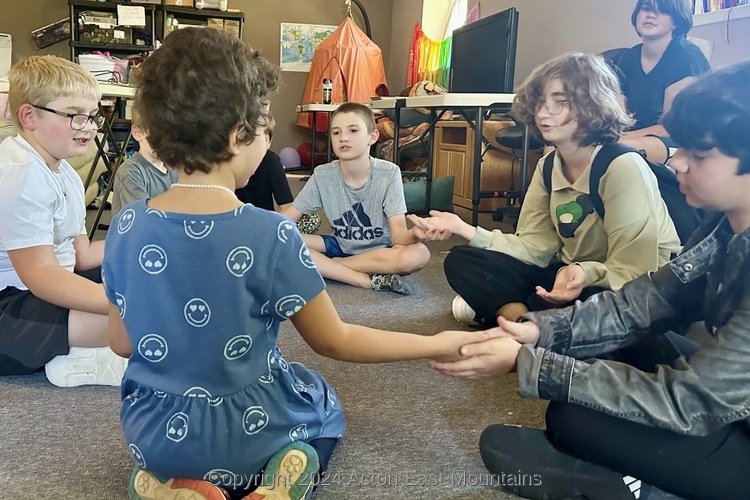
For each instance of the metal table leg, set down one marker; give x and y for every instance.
(477, 167)
(119, 158)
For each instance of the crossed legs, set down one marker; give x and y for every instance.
(355, 270)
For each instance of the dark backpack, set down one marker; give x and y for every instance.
(685, 218)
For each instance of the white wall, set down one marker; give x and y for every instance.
(406, 13)
(435, 16)
(547, 28)
(731, 41)
(550, 27)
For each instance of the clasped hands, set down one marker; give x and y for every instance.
(440, 226)
(495, 354)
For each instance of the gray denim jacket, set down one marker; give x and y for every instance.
(706, 282)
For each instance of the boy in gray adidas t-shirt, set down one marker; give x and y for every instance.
(142, 175)
(363, 199)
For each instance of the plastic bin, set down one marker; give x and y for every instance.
(102, 67)
(6, 48)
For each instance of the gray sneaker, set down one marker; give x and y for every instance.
(389, 283)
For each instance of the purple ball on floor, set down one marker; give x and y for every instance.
(289, 157)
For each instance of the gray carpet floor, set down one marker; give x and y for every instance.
(411, 434)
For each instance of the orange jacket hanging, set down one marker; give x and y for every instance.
(353, 62)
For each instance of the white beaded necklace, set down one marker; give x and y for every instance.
(203, 186)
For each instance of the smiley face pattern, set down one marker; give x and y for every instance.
(202, 298)
(153, 348)
(177, 427)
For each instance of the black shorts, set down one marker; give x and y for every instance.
(32, 331)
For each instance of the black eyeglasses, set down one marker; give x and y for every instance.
(78, 121)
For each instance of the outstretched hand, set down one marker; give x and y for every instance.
(523, 333)
(442, 225)
(568, 286)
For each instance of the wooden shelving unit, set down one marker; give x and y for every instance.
(453, 154)
(77, 46)
(156, 23)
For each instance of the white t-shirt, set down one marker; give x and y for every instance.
(37, 207)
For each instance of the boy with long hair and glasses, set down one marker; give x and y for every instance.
(563, 249)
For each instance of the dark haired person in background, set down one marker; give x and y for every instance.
(268, 183)
(654, 71)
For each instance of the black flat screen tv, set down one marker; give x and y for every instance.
(483, 54)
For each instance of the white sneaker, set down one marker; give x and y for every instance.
(86, 366)
(463, 311)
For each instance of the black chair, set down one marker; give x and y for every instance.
(612, 56)
(511, 137)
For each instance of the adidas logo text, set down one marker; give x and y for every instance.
(358, 233)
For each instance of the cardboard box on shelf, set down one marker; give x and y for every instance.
(214, 22)
(117, 34)
(52, 33)
(211, 4)
(101, 19)
(179, 3)
(232, 26)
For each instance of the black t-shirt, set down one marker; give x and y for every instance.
(645, 92)
(267, 183)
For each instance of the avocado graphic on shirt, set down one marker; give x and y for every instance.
(572, 214)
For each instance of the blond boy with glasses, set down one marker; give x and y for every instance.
(51, 315)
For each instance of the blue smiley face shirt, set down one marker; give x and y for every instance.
(202, 297)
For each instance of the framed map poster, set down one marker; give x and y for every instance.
(298, 42)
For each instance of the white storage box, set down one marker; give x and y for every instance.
(6, 47)
(102, 67)
(211, 4)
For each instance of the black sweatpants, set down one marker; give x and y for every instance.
(713, 466)
(487, 280)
